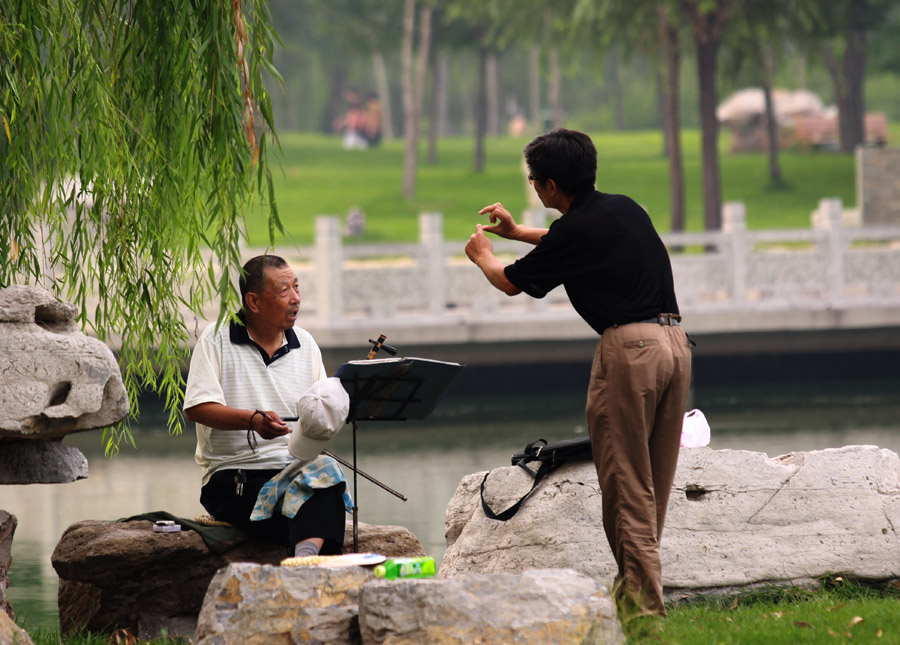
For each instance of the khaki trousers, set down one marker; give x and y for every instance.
(635, 409)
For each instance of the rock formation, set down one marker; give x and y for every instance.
(123, 575)
(251, 604)
(535, 606)
(54, 380)
(735, 519)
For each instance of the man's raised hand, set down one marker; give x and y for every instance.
(502, 222)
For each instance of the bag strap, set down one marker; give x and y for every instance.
(546, 468)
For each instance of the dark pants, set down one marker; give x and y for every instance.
(321, 516)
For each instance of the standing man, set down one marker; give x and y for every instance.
(244, 377)
(616, 271)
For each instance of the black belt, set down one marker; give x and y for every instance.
(663, 319)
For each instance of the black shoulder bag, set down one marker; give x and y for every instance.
(551, 456)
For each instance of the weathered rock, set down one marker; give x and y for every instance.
(55, 380)
(250, 604)
(537, 606)
(735, 518)
(29, 461)
(12, 634)
(123, 575)
(7, 531)
(559, 526)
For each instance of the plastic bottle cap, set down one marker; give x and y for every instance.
(380, 571)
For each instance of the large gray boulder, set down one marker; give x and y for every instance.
(536, 606)
(123, 575)
(735, 519)
(54, 380)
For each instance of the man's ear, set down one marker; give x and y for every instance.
(252, 302)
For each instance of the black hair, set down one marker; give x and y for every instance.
(568, 157)
(253, 275)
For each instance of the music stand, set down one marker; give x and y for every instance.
(391, 389)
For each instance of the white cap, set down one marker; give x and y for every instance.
(322, 412)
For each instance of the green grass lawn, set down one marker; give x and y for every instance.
(839, 612)
(315, 176)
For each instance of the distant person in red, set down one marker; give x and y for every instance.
(352, 124)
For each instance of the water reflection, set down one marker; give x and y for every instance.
(423, 460)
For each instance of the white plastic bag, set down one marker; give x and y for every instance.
(695, 430)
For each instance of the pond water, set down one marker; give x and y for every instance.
(424, 460)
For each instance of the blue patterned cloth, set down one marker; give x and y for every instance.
(289, 489)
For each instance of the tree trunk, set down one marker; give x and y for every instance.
(534, 87)
(413, 89)
(481, 109)
(615, 83)
(851, 110)
(409, 121)
(384, 93)
(424, 56)
(493, 96)
(661, 105)
(771, 120)
(707, 54)
(848, 81)
(672, 121)
(555, 93)
(772, 134)
(437, 122)
(335, 99)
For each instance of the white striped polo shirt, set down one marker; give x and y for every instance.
(228, 368)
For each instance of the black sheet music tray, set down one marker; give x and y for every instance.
(395, 389)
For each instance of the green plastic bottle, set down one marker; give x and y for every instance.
(418, 567)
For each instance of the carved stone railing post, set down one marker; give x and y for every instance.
(734, 223)
(536, 218)
(432, 262)
(834, 211)
(329, 260)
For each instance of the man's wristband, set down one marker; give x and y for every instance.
(255, 412)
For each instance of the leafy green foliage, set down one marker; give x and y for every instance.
(129, 152)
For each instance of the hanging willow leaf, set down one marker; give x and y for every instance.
(128, 159)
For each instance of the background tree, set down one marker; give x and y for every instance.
(707, 19)
(653, 27)
(131, 149)
(413, 76)
(755, 49)
(847, 23)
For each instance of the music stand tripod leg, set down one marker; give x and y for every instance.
(355, 497)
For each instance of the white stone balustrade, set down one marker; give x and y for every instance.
(735, 268)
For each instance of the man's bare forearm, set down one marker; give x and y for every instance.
(530, 235)
(493, 270)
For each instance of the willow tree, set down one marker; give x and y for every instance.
(131, 151)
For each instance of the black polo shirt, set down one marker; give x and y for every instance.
(607, 255)
(237, 334)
